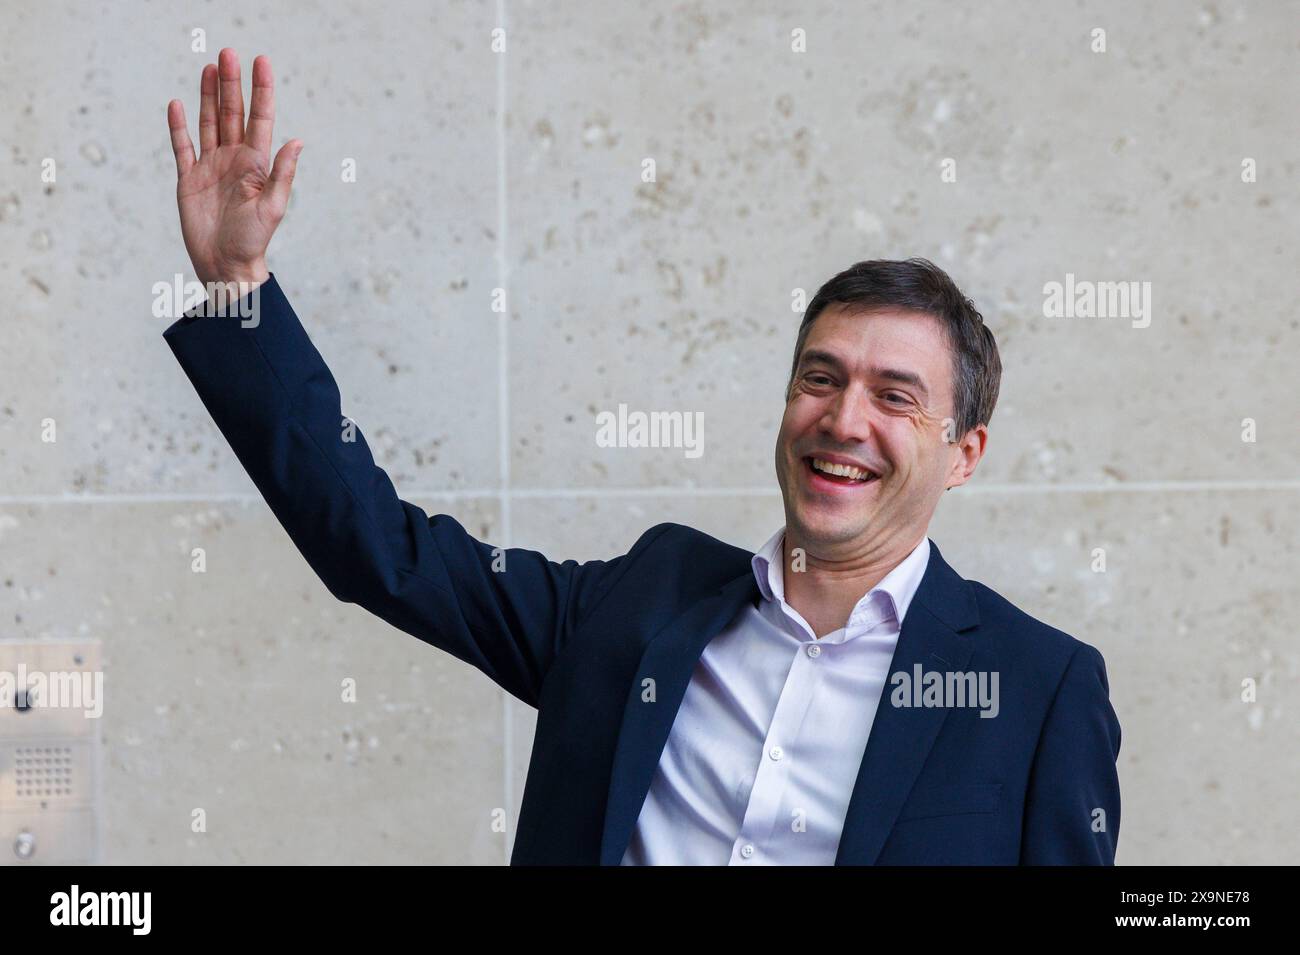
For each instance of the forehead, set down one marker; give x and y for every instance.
(893, 337)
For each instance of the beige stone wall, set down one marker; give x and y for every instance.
(775, 169)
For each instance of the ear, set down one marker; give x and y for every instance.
(968, 450)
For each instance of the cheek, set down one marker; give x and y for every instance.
(789, 430)
(906, 448)
(782, 450)
(897, 441)
(802, 412)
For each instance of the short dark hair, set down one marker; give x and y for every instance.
(919, 285)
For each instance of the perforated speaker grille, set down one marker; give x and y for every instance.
(41, 771)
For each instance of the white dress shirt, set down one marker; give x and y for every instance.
(765, 750)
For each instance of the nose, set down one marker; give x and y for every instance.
(847, 418)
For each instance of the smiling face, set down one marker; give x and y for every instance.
(872, 392)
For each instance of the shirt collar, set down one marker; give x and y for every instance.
(899, 585)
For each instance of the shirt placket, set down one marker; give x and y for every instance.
(758, 830)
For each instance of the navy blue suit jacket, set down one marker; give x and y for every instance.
(937, 785)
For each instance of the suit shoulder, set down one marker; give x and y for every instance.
(685, 537)
(690, 547)
(1023, 632)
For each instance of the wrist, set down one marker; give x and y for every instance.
(244, 277)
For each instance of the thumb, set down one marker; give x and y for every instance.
(282, 172)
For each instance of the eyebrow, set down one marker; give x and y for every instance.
(814, 356)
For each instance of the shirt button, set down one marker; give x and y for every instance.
(747, 851)
(776, 752)
(814, 650)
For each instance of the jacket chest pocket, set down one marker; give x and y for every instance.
(934, 801)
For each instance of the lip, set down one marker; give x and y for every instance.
(823, 485)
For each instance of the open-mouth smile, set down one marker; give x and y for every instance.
(829, 476)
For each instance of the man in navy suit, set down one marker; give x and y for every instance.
(841, 696)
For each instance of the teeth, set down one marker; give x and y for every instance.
(841, 470)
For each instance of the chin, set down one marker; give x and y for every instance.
(832, 528)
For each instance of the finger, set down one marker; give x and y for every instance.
(208, 109)
(282, 173)
(231, 107)
(181, 145)
(261, 113)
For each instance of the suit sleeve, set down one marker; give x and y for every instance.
(506, 612)
(1072, 804)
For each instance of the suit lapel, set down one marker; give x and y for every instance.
(901, 737)
(669, 659)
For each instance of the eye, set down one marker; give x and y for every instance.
(812, 378)
(901, 399)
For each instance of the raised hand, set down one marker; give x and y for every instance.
(231, 198)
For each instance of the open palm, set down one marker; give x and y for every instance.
(231, 197)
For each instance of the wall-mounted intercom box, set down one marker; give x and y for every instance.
(51, 706)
